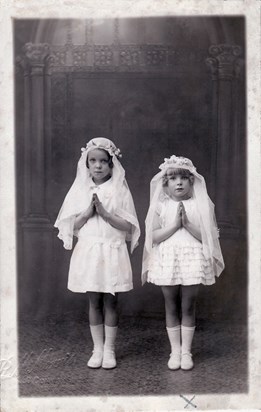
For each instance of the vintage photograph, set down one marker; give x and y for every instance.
(131, 206)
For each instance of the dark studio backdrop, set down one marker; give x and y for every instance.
(156, 87)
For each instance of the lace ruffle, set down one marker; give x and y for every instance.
(173, 264)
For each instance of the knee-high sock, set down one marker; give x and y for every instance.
(97, 337)
(110, 337)
(187, 333)
(174, 338)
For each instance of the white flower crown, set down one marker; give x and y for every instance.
(109, 147)
(177, 162)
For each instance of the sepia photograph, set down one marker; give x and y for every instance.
(132, 211)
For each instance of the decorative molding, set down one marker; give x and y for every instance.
(36, 54)
(224, 61)
(114, 58)
(130, 56)
(103, 56)
(35, 59)
(79, 57)
(156, 57)
(59, 56)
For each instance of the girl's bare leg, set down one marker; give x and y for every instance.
(171, 297)
(95, 308)
(110, 309)
(188, 304)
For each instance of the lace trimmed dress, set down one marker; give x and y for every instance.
(179, 260)
(100, 260)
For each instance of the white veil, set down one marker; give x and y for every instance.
(77, 198)
(205, 208)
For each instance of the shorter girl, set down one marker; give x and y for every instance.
(181, 249)
(99, 210)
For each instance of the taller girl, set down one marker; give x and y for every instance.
(181, 249)
(99, 210)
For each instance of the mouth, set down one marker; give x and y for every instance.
(179, 189)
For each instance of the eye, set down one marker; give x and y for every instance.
(104, 161)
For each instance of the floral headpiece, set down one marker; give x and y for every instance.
(105, 144)
(177, 162)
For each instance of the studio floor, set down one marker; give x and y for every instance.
(53, 356)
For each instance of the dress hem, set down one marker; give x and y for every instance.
(119, 289)
(177, 282)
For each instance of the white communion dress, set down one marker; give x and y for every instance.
(100, 260)
(178, 260)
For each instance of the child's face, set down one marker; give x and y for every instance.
(179, 186)
(99, 167)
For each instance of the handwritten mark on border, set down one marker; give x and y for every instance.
(189, 402)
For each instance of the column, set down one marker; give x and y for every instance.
(35, 63)
(225, 65)
(35, 248)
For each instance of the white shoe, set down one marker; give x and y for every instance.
(109, 360)
(95, 360)
(174, 361)
(186, 361)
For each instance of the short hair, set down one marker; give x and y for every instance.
(109, 158)
(175, 172)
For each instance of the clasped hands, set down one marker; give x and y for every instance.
(96, 207)
(181, 216)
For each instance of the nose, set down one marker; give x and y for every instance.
(98, 165)
(179, 181)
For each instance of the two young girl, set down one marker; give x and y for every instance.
(181, 247)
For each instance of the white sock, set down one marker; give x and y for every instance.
(110, 337)
(174, 338)
(97, 337)
(187, 333)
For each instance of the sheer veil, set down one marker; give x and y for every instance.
(205, 208)
(78, 196)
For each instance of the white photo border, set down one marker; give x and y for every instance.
(251, 9)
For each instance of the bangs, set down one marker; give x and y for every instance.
(175, 172)
(108, 157)
(181, 172)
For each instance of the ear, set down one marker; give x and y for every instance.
(191, 180)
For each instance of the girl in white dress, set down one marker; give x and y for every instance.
(99, 210)
(181, 249)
